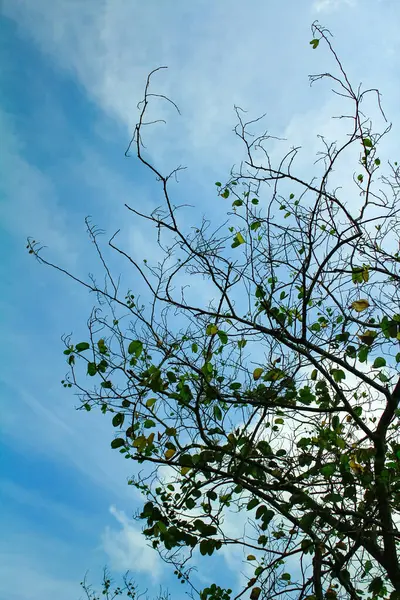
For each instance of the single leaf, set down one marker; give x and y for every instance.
(169, 453)
(91, 369)
(257, 373)
(135, 347)
(255, 593)
(360, 305)
(222, 336)
(379, 362)
(367, 337)
(82, 346)
(118, 419)
(314, 43)
(328, 470)
(117, 443)
(251, 557)
(211, 329)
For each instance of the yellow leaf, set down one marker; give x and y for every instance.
(257, 373)
(240, 238)
(185, 470)
(368, 336)
(360, 305)
(150, 439)
(150, 402)
(365, 274)
(169, 453)
(212, 329)
(255, 593)
(251, 557)
(140, 442)
(356, 467)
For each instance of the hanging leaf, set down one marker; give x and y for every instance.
(257, 373)
(314, 43)
(135, 347)
(367, 337)
(255, 593)
(118, 420)
(91, 369)
(169, 453)
(222, 336)
(360, 305)
(211, 329)
(379, 362)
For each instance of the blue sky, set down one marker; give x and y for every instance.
(71, 74)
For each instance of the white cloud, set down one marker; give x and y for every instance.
(331, 5)
(127, 548)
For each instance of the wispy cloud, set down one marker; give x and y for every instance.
(128, 549)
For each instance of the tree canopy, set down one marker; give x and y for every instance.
(276, 397)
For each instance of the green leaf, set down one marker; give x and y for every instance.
(328, 470)
(190, 503)
(253, 503)
(91, 369)
(379, 362)
(255, 225)
(82, 346)
(376, 585)
(118, 419)
(135, 347)
(222, 336)
(195, 348)
(102, 346)
(217, 412)
(218, 183)
(106, 385)
(117, 443)
(314, 43)
(367, 143)
(338, 375)
(286, 576)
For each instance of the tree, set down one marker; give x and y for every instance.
(110, 591)
(278, 397)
